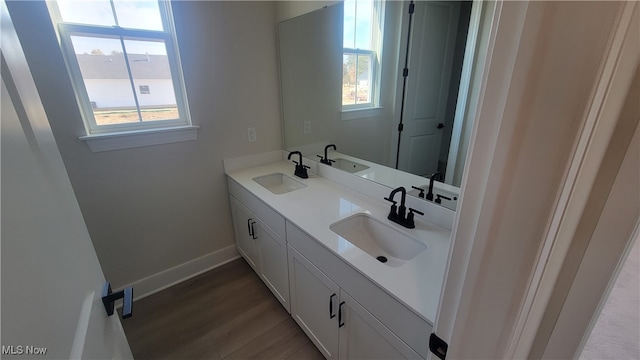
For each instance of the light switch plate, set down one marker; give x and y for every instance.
(252, 134)
(307, 127)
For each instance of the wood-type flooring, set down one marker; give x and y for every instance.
(225, 313)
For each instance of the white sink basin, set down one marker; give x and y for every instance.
(279, 183)
(377, 239)
(348, 165)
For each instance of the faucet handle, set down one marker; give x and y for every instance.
(440, 197)
(421, 194)
(410, 223)
(412, 211)
(301, 171)
(393, 213)
(325, 160)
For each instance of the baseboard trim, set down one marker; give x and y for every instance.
(177, 274)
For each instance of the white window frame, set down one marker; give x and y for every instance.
(127, 135)
(360, 110)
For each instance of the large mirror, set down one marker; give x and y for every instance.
(440, 44)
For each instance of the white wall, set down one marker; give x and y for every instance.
(310, 55)
(151, 208)
(289, 9)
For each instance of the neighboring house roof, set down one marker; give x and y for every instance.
(143, 66)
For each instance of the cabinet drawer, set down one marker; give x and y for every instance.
(271, 217)
(401, 320)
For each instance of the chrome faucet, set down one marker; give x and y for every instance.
(399, 214)
(325, 159)
(301, 170)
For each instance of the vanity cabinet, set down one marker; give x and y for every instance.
(273, 264)
(362, 336)
(244, 224)
(336, 323)
(314, 303)
(343, 312)
(262, 247)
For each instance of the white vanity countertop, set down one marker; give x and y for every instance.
(416, 283)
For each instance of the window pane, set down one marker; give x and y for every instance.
(138, 14)
(364, 19)
(356, 78)
(96, 12)
(152, 79)
(348, 79)
(363, 85)
(106, 79)
(349, 24)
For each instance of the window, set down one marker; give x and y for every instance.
(361, 53)
(112, 48)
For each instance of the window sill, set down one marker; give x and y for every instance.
(360, 113)
(133, 139)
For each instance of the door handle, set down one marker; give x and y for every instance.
(340, 323)
(109, 299)
(331, 314)
(440, 125)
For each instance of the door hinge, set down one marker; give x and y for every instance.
(405, 72)
(411, 7)
(438, 346)
(400, 127)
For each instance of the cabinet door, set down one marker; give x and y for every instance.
(362, 336)
(273, 256)
(314, 303)
(244, 223)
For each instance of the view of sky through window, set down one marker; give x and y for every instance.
(358, 18)
(134, 14)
